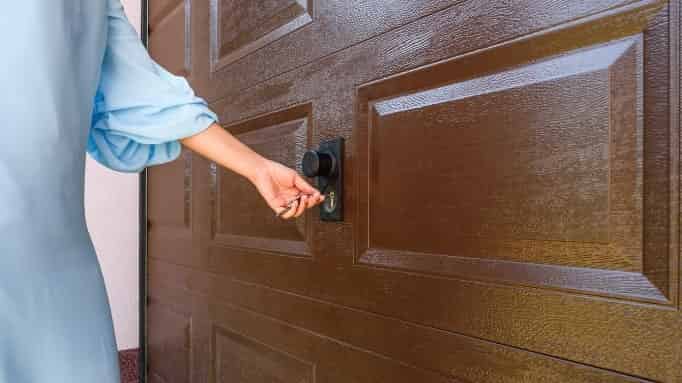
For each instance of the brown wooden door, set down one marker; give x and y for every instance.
(512, 206)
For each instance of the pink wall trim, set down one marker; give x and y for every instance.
(111, 207)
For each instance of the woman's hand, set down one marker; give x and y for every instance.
(281, 188)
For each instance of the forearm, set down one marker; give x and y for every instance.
(220, 146)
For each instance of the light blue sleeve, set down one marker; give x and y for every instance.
(140, 110)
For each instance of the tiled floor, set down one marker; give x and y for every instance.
(128, 360)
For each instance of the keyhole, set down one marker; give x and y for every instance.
(330, 202)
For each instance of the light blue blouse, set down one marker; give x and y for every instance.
(74, 77)
(140, 108)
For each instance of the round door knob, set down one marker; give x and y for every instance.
(318, 164)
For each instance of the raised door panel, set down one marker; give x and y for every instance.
(169, 345)
(240, 359)
(170, 187)
(169, 208)
(243, 26)
(342, 343)
(240, 218)
(169, 35)
(170, 205)
(536, 173)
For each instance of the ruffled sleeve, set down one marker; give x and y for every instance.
(140, 109)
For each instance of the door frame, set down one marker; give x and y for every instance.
(143, 225)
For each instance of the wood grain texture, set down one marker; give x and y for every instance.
(241, 359)
(520, 155)
(340, 25)
(241, 27)
(585, 140)
(178, 193)
(169, 35)
(169, 345)
(159, 9)
(241, 217)
(542, 246)
(170, 191)
(425, 348)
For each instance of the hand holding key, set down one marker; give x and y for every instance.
(290, 205)
(285, 191)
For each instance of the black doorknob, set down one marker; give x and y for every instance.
(319, 164)
(326, 165)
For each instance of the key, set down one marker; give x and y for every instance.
(330, 202)
(289, 205)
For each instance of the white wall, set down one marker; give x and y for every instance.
(111, 206)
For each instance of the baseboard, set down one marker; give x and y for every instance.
(129, 362)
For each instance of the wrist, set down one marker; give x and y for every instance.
(256, 169)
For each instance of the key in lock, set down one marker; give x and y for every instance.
(330, 202)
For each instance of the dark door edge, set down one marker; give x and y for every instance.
(142, 317)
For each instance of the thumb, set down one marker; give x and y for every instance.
(303, 185)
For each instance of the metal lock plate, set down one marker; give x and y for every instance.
(326, 164)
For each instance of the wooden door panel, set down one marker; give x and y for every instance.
(221, 299)
(170, 205)
(169, 345)
(310, 30)
(448, 31)
(170, 187)
(170, 22)
(246, 32)
(612, 270)
(539, 169)
(240, 218)
(295, 355)
(609, 334)
(515, 167)
(160, 9)
(244, 26)
(512, 194)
